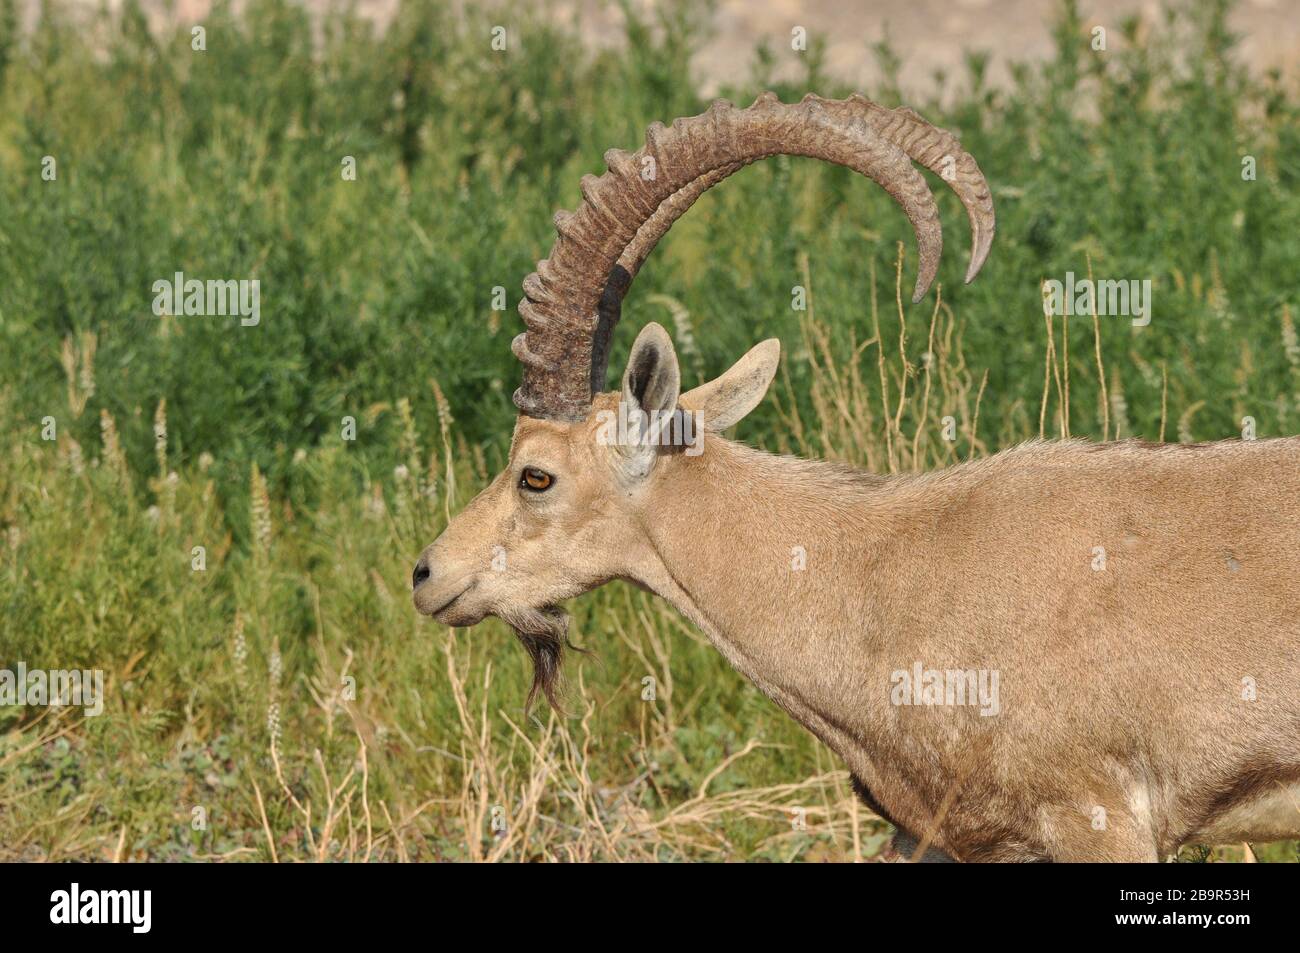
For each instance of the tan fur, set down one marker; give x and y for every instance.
(1121, 689)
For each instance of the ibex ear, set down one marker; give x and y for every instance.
(651, 385)
(652, 380)
(726, 399)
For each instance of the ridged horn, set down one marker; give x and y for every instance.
(574, 299)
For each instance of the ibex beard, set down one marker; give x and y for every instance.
(1138, 605)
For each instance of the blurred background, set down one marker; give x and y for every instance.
(285, 687)
(930, 35)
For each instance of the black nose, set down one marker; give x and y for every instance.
(421, 573)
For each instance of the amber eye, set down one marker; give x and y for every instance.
(535, 480)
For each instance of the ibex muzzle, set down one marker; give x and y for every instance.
(1065, 651)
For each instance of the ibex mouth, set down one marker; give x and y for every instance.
(437, 604)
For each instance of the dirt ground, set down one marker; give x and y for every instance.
(928, 34)
(932, 34)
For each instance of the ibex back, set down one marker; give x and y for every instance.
(1066, 651)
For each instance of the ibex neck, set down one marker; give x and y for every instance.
(772, 557)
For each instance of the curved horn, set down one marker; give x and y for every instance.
(574, 298)
(936, 149)
(940, 152)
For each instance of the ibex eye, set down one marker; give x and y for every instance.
(535, 480)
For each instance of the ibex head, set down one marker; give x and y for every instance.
(592, 473)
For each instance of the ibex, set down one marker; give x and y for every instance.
(1066, 651)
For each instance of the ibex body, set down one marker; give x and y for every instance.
(1065, 651)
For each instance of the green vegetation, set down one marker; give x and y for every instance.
(228, 689)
